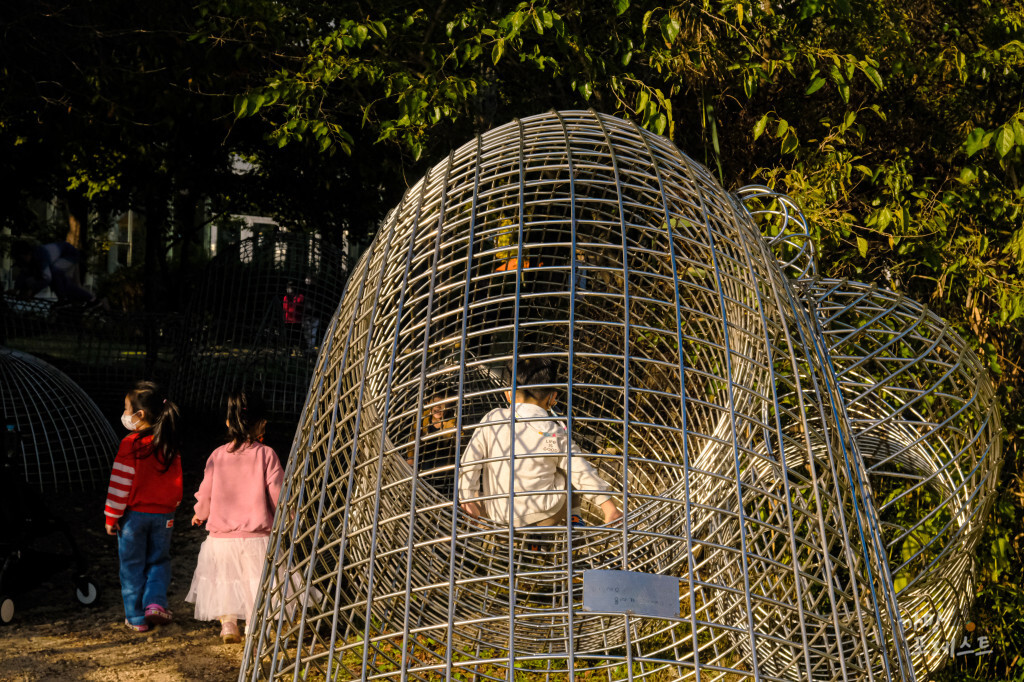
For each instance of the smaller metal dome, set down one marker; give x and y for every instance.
(66, 444)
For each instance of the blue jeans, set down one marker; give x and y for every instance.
(144, 546)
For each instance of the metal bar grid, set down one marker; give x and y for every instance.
(697, 382)
(65, 442)
(103, 351)
(927, 426)
(236, 332)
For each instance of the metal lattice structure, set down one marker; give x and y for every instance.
(926, 424)
(705, 375)
(235, 334)
(103, 351)
(65, 442)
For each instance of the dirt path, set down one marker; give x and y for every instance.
(53, 637)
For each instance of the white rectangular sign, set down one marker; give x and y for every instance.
(632, 593)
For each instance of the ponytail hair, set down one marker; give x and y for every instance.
(247, 417)
(164, 420)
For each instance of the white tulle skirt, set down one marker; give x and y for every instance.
(227, 577)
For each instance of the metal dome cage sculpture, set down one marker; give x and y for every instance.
(695, 378)
(237, 331)
(65, 442)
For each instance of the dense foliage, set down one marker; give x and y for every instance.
(897, 126)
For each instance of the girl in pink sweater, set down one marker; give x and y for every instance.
(236, 500)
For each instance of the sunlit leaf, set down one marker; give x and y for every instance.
(760, 126)
(976, 141)
(815, 85)
(884, 218)
(873, 76)
(669, 28)
(659, 123)
(1004, 141)
(862, 247)
(642, 100)
(790, 143)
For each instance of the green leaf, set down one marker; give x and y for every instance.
(783, 127)
(1004, 141)
(862, 247)
(815, 86)
(659, 124)
(760, 126)
(256, 101)
(621, 6)
(1018, 132)
(585, 90)
(976, 141)
(497, 51)
(646, 22)
(790, 143)
(873, 76)
(884, 218)
(669, 28)
(517, 21)
(642, 100)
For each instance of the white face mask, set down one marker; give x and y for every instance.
(126, 422)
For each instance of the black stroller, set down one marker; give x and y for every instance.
(30, 537)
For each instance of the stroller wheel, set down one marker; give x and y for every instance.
(86, 590)
(6, 609)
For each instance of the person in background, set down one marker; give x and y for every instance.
(437, 443)
(293, 306)
(54, 265)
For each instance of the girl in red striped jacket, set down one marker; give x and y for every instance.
(145, 489)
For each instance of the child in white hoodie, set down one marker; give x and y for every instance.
(540, 461)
